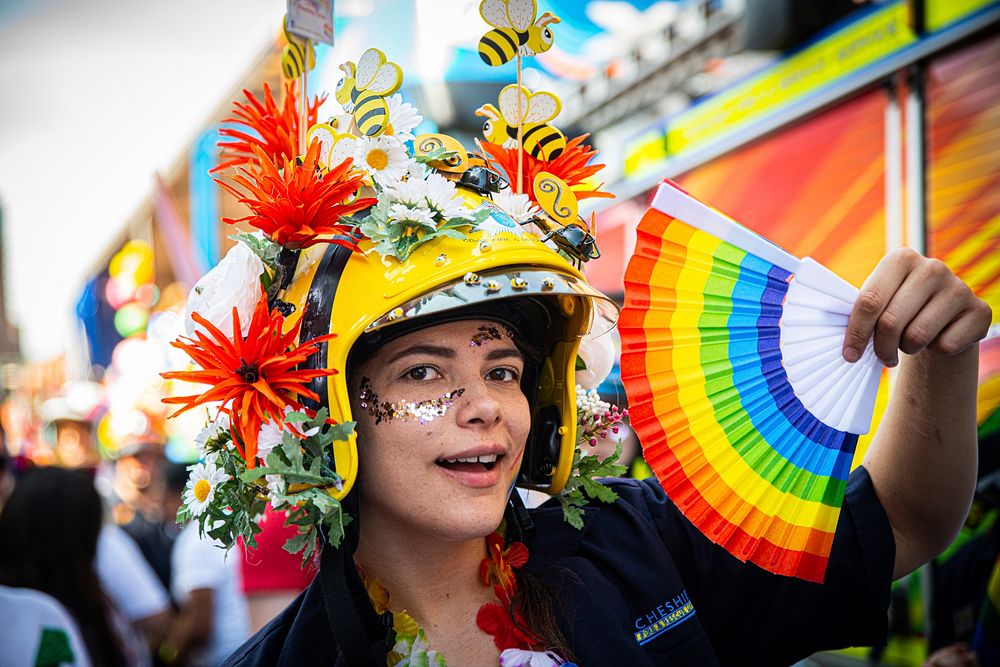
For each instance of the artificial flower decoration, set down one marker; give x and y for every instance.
(264, 125)
(497, 569)
(517, 206)
(204, 480)
(253, 378)
(382, 158)
(572, 166)
(403, 118)
(515, 657)
(299, 205)
(233, 282)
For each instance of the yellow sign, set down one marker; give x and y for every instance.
(860, 44)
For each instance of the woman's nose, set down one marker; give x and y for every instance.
(478, 407)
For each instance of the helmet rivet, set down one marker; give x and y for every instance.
(548, 283)
(441, 260)
(395, 314)
(492, 286)
(471, 278)
(518, 283)
(485, 246)
(563, 430)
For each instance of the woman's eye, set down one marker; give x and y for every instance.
(503, 375)
(421, 373)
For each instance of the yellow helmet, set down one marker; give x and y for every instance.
(355, 294)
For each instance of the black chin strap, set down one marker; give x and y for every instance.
(358, 631)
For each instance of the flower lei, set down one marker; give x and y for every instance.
(498, 619)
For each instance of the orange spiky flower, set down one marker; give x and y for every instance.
(298, 204)
(571, 166)
(274, 130)
(253, 378)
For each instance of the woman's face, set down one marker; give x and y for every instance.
(442, 426)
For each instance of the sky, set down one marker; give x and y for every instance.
(96, 96)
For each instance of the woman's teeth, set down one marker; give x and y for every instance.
(486, 458)
(470, 463)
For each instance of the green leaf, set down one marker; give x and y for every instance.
(580, 366)
(439, 153)
(263, 247)
(296, 418)
(342, 431)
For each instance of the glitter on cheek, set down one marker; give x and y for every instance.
(423, 411)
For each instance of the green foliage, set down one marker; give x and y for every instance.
(399, 238)
(583, 485)
(439, 153)
(296, 474)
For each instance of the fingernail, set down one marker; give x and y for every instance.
(851, 354)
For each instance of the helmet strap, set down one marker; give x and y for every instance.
(358, 631)
(520, 527)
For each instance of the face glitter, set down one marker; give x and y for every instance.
(488, 333)
(423, 411)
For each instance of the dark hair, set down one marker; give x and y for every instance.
(48, 539)
(537, 604)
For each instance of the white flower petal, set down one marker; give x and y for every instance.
(234, 281)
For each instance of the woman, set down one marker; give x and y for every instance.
(467, 393)
(48, 541)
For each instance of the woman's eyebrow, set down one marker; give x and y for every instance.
(430, 350)
(504, 353)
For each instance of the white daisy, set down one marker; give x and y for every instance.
(204, 480)
(403, 117)
(415, 170)
(414, 214)
(410, 192)
(443, 198)
(210, 431)
(517, 206)
(268, 438)
(384, 158)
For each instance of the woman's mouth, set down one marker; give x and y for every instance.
(472, 464)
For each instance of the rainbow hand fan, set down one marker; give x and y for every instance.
(731, 358)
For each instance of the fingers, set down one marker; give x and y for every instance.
(875, 295)
(919, 310)
(970, 327)
(910, 303)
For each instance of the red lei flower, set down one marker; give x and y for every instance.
(498, 619)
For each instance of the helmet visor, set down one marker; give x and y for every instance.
(481, 288)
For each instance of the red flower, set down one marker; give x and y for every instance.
(496, 621)
(497, 569)
(254, 378)
(571, 166)
(272, 129)
(299, 203)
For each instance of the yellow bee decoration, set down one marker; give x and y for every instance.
(515, 30)
(540, 140)
(364, 87)
(335, 147)
(298, 56)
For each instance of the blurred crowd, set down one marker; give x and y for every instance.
(94, 569)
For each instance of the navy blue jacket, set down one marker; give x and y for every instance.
(639, 585)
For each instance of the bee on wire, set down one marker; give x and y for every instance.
(298, 55)
(540, 140)
(515, 30)
(364, 87)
